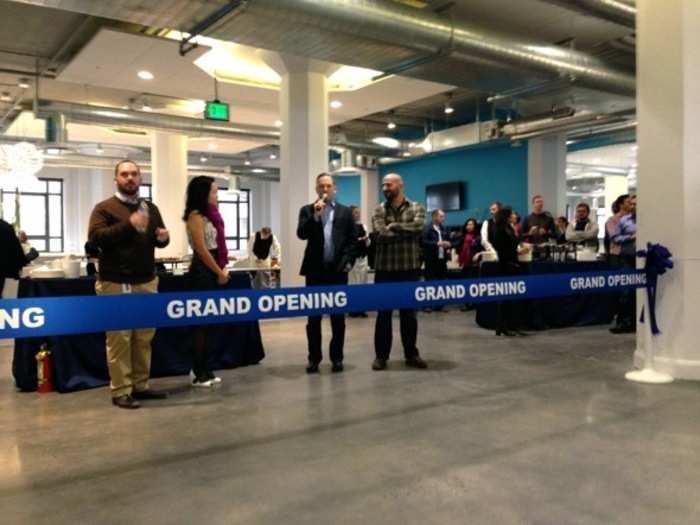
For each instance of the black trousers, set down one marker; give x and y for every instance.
(627, 303)
(2, 285)
(506, 309)
(436, 270)
(313, 325)
(409, 324)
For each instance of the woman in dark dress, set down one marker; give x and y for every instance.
(205, 231)
(505, 243)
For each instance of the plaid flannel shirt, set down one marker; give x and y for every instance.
(398, 233)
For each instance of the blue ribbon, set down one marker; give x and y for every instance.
(46, 316)
(658, 260)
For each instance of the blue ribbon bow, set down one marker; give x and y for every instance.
(658, 260)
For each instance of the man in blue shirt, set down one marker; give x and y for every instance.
(625, 235)
(329, 231)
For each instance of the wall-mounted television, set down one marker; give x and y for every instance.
(448, 196)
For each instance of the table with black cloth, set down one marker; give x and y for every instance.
(581, 309)
(80, 362)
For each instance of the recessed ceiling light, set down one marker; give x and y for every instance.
(213, 146)
(99, 149)
(391, 125)
(146, 108)
(449, 109)
(53, 151)
(23, 83)
(247, 162)
(258, 170)
(335, 104)
(278, 123)
(145, 75)
(203, 158)
(406, 154)
(273, 156)
(387, 142)
(411, 144)
(5, 97)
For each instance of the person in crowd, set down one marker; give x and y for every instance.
(517, 226)
(625, 235)
(360, 270)
(612, 250)
(538, 227)
(506, 246)
(127, 229)
(469, 247)
(30, 252)
(92, 253)
(487, 227)
(398, 224)
(436, 250)
(583, 230)
(205, 231)
(330, 234)
(562, 223)
(12, 258)
(264, 253)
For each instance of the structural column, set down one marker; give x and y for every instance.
(369, 194)
(668, 102)
(169, 179)
(546, 172)
(303, 148)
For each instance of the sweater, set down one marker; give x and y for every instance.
(126, 255)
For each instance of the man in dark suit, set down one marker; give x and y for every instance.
(329, 229)
(436, 250)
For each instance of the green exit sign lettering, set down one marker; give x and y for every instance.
(216, 111)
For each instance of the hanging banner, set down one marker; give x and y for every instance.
(38, 317)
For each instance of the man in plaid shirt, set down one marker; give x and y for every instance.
(398, 224)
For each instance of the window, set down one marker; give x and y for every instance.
(40, 212)
(146, 191)
(235, 210)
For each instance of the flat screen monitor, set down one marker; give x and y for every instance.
(448, 196)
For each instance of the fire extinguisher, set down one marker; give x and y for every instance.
(44, 370)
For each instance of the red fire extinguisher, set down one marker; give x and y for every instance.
(44, 372)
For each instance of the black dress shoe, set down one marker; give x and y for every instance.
(379, 364)
(148, 394)
(521, 333)
(125, 402)
(507, 333)
(416, 362)
(337, 367)
(312, 368)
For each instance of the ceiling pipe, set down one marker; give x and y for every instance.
(619, 12)
(423, 31)
(428, 32)
(126, 118)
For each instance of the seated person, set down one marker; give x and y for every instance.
(264, 252)
(583, 230)
(29, 251)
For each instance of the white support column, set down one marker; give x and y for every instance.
(668, 101)
(369, 190)
(546, 172)
(303, 148)
(169, 179)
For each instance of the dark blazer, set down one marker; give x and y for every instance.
(429, 240)
(12, 257)
(311, 231)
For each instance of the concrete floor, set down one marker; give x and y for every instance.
(538, 430)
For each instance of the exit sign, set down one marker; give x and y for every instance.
(216, 111)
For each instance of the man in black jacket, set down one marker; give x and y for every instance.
(436, 250)
(12, 257)
(329, 229)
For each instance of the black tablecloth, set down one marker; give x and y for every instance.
(554, 312)
(79, 361)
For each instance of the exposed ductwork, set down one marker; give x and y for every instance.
(619, 12)
(378, 34)
(124, 118)
(422, 31)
